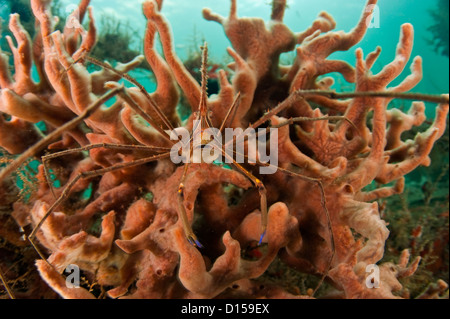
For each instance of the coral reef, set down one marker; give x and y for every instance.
(126, 233)
(114, 42)
(23, 8)
(438, 29)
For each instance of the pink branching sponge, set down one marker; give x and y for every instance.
(128, 235)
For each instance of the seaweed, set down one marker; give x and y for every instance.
(116, 40)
